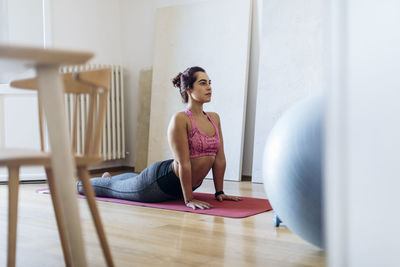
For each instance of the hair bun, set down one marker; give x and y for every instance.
(184, 81)
(177, 80)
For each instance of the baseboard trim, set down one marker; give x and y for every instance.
(26, 182)
(246, 178)
(113, 169)
(92, 172)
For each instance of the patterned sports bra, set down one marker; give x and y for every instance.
(201, 144)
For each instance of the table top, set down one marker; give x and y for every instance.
(16, 60)
(43, 56)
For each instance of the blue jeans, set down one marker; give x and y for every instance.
(156, 183)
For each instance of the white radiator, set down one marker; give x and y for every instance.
(113, 143)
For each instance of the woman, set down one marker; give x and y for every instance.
(195, 139)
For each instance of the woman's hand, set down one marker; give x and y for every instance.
(194, 203)
(223, 197)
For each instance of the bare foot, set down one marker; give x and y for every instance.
(106, 175)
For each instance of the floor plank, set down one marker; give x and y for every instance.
(141, 236)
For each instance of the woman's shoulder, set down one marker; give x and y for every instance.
(178, 121)
(180, 118)
(181, 115)
(214, 116)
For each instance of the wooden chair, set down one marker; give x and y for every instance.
(96, 84)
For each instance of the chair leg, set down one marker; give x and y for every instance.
(13, 183)
(58, 214)
(83, 175)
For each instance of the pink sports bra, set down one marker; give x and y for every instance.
(201, 144)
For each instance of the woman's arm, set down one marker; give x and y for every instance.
(177, 138)
(178, 141)
(219, 167)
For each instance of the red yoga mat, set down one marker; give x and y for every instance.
(248, 206)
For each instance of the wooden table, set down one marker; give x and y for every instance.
(47, 62)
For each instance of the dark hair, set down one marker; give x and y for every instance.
(185, 80)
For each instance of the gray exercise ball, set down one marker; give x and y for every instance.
(292, 168)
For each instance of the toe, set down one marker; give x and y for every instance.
(106, 175)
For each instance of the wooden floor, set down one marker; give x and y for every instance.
(142, 236)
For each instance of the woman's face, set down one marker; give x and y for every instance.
(201, 91)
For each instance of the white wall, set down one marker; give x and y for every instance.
(207, 45)
(138, 28)
(3, 21)
(82, 25)
(21, 22)
(291, 64)
(122, 32)
(138, 20)
(363, 144)
(19, 25)
(93, 25)
(132, 46)
(255, 48)
(19, 127)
